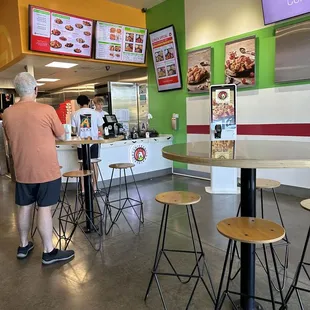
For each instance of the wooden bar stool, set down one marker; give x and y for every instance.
(72, 217)
(95, 164)
(254, 231)
(267, 184)
(123, 203)
(302, 266)
(187, 200)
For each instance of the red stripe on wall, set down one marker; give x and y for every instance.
(294, 130)
(198, 129)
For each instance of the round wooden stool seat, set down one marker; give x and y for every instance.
(306, 204)
(267, 184)
(122, 166)
(251, 230)
(264, 184)
(178, 198)
(77, 174)
(93, 161)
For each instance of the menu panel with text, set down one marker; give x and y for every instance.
(166, 59)
(120, 43)
(60, 33)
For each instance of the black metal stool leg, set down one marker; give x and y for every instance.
(141, 211)
(285, 239)
(158, 252)
(294, 285)
(33, 229)
(231, 264)
(277, 273)
(204, 258)
(101, 176)
(269, 278)
(108, 208)
(221, 298)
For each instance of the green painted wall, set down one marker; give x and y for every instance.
(163, 105)
(265, 58)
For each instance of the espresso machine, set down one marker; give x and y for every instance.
(110, 126)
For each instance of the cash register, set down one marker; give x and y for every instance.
(110, 126)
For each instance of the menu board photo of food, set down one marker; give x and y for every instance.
(60, 33)
(199, 71)
(240, 62)
(120, 43)
(165, 58)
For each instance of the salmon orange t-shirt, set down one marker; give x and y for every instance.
(31, 129)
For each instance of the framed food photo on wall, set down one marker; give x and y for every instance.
(240, 62)
(199, 70)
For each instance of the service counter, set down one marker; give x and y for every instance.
(145, 153)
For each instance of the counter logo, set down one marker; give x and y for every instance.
(139, 154)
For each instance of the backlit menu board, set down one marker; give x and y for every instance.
(120, 43)
(166, 59)
(60, 33)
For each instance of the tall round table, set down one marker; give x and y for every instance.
(89, 208)
(248, 155)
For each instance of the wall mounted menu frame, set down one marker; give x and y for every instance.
(60, 33)
(166, 59)
(240, 62)
(120, 43)
(199, 70)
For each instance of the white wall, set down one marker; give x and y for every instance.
(208, 21)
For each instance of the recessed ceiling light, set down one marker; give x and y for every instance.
(64, 65)
(47, 80)
(40, 84)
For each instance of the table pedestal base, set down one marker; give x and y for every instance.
(257, 306)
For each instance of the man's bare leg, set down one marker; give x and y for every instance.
(23, 223)
(45, 227)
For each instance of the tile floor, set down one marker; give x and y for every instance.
(117, 277)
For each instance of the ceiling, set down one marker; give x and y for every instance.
(139, 4)
(85, 71)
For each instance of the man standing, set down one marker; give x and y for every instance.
(31, 129)
(99, 103)
(86, 123)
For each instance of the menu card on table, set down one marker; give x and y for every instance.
(60, 33)
(120, 43)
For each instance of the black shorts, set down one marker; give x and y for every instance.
(94, 152)
(44, 194)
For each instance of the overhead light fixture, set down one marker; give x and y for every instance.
(40, 84)
(47, 80)
(63, 65)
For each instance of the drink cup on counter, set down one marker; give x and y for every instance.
(67, 131)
